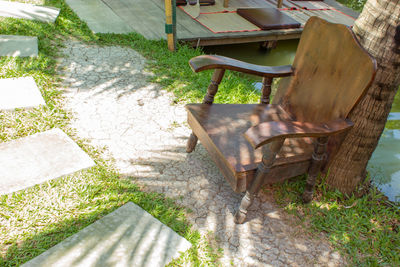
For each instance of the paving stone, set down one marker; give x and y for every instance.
(28, 11)
(146, 135)
(129, 236)
(19, 93)
(18, 46)
(93, 13)
(37, 158)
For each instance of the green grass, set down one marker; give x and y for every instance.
(173, 72)
(365, 230)
(356, 5)
(33, 220)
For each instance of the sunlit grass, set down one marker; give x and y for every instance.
(365, 229)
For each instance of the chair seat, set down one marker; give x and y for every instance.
(220, 128)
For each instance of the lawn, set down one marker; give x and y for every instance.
(365, 230)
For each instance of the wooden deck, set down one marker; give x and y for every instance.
(147, 17)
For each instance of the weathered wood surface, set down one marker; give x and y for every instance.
(269, 131)
(208, 62)
(220, 129)
(147, 17)
(226, 123)
(331, 73)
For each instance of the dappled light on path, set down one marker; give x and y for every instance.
(115, 106)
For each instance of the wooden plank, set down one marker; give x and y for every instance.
(298, 15)
(141, 15)
(270, 35)
(147, 18)
(332, 74)
(310, 4)
(333, 16)
(186, 26)
(226, 22)
(241, 40)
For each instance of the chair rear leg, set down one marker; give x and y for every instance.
(269, 154)
(318, 158)
(191, 143)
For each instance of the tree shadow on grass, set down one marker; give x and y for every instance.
(116, 193)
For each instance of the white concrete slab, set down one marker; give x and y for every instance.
(19, 93)
(28, 11)
(37, 158)
(18, 46)
(129, 236)
(94, 12)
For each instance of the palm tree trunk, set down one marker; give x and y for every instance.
(378, 31)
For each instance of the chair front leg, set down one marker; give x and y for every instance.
(191, 143)
(208, 99)
(318, 158)
(269, 154)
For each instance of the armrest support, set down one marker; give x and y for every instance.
(267, 132)
(207, 62)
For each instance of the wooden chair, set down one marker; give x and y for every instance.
(256, 144)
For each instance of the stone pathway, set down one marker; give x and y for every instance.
(19, 93)
(129, 236)
(18, 46)
(146, 134)
(38, 158)
(28, 11)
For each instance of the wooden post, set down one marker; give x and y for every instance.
(170, 23)
(226, 3)
(279, 3)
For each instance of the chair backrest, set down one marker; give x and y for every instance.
(331, 73)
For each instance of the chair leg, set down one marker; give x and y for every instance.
(318, 157)
(269, 155)
(191, 143)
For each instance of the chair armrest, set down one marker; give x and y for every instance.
(206, 62)
(267, 132)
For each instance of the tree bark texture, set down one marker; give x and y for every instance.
(378, 31)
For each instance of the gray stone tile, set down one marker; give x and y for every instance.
(93, 13)
(18, 46)
(129, 236)
(28, 11)
(37, 158)
(19, 93)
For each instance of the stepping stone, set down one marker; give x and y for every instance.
(129, 236)
(93, 13)
(38, 158)
(18, 46)
(19, 93)
(28, 11)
